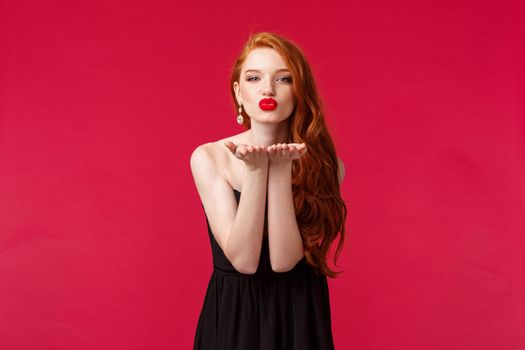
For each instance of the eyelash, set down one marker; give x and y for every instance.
(288, 78)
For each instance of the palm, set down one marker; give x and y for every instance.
(253, 156)
(283, 152)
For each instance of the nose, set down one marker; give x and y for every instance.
(267, 88)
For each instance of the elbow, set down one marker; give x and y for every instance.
(245, 267)
(242, 263)
(282, 267)
(285, 265)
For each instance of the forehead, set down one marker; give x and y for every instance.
(264, 58)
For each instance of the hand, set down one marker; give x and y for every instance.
(285, 152)
(255, 157)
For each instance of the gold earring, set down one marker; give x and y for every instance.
(240, 119)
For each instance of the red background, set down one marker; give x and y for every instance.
(103, 241)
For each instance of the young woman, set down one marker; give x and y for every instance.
(273, 207)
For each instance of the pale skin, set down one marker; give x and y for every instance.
(258, 163)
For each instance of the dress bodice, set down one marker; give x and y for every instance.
(266, 310)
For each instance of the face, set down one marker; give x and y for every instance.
(265, 76)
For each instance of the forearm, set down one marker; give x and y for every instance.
(285, 243)
(243, 247)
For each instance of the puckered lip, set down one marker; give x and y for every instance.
(268, 100)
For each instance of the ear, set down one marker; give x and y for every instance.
(237, 90)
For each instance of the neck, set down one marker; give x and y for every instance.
(267, 134)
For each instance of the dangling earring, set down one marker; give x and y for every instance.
(240, 119)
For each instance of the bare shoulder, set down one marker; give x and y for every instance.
(341, 169)
(207, 159)
(215, 192)
(212, 156)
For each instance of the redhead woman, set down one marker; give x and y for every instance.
(273, 207)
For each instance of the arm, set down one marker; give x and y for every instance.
(245, 239)
(237, 230)
(286, 247)
(340, 170)
(284, 238)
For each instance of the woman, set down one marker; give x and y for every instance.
(268, 289)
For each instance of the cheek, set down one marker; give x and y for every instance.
(290, 101)
(247, 93)
(250, 97)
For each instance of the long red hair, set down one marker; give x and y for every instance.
(319, 207)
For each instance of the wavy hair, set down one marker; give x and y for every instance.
(319, 207)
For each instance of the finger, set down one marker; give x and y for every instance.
(230, 145)
(302, 148)
(297, 152)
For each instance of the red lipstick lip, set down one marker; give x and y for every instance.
(268, 104)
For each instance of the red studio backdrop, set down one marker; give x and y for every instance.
(103, 241)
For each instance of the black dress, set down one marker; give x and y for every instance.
(266, 310)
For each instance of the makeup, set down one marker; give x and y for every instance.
(268, 104)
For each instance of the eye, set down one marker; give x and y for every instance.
(288, 79)
(251, 78)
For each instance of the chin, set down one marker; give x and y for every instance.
(271, 119)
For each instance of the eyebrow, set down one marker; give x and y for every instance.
(258, 71)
